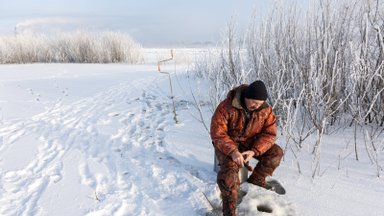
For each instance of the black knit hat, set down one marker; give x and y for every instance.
(256, 91)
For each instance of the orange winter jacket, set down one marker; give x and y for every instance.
(228, 129)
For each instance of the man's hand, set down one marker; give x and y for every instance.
(247, 155)
(238, 158)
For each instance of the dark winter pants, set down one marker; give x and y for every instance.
(228, 178)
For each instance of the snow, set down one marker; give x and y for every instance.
(90, 139)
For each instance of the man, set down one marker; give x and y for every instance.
(244, 126)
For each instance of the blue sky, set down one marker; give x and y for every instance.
(150, 22)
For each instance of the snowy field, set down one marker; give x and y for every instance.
(102, 140)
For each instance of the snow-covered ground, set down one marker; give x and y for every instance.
(102, 140)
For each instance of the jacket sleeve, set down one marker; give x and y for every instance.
(266, 138)
(219, 131)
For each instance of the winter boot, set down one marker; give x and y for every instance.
(259, 181)
(272, 185)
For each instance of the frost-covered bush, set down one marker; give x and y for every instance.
(324, 67)
(329, 61)
(78, 47)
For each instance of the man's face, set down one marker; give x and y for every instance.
(253, 104)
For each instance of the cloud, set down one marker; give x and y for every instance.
(45, 21)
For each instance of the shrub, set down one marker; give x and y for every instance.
(78, 47)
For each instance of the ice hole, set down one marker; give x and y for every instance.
(264, 208)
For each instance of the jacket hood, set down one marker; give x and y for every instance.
(235, 96)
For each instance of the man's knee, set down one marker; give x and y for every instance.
(277, 151)
(272, 157)
(276, 156)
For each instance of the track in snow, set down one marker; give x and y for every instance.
(112, 144)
